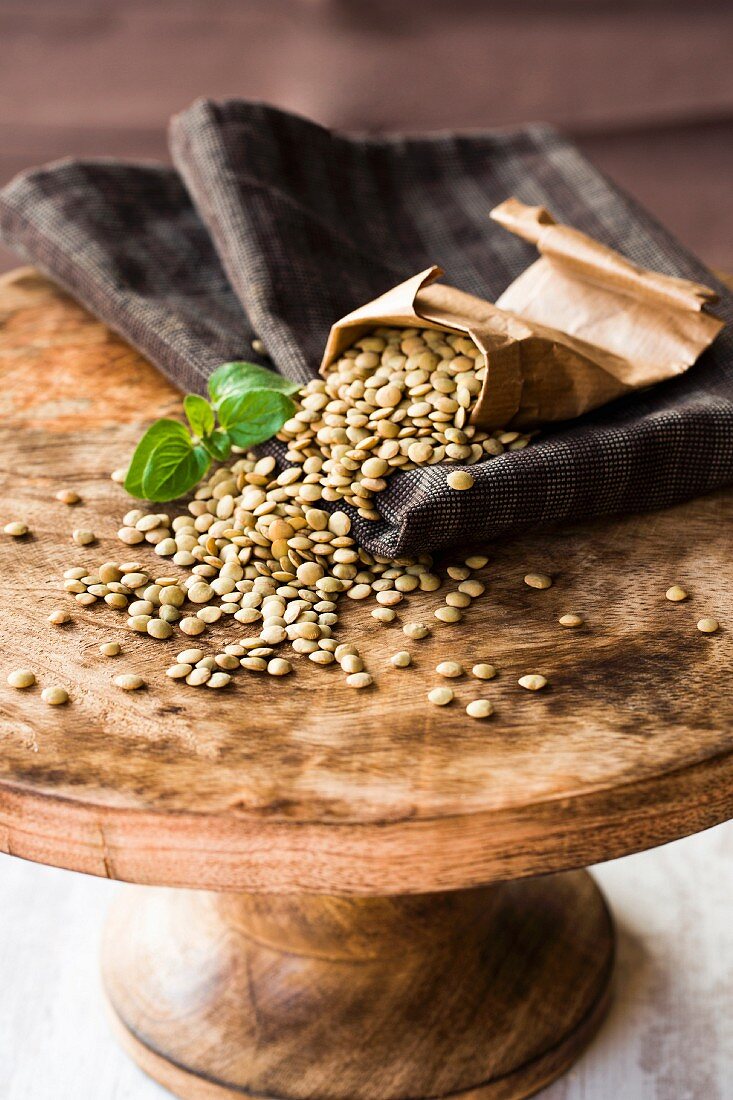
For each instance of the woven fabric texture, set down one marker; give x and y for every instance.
(272, 225)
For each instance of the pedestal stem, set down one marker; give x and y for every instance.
(489, 993)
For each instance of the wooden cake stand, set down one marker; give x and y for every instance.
(380, 898)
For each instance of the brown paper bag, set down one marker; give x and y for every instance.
(578, 328)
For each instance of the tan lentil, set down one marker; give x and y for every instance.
(571, 619)
(279, 667)
(83, 537)
(191, 626)
(479, 708)
(55, 696)
(401, 659)
(179, 671)
(448, 614)
(16, 529)
(416, 631)
(440, 696)
(460, 479)
(359, 680)
(532, 682)
(21, 678)
(59, 617)
(450, 669)
(538, 580)
(219, 680)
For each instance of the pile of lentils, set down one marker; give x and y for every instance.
(257, 548)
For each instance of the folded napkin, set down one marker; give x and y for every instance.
(274, 226)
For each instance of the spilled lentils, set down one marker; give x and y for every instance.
(397, 399)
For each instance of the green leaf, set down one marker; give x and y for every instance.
(218, 444)
(166, 463)
(157, 433)
(200, 414)
(252, 417)
(236, 378)
(174, 467)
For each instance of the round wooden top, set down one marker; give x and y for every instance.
(303, 783)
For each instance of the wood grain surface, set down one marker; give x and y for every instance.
(305, 784)
(488, 993)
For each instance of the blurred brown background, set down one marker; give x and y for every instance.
(644, 86)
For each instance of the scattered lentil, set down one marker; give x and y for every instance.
(484, 671)
(55, 696)
(532, 682)
(129, 681)
(571, 619)
(198, 676)
(110, 649)
(67, 496)
(359, 680)
(476, 561)
(179, 671)
(21, 678)
(448, 614)
(416, 631)
(401, 659)
(440, 696)
(192, 626)
(708, 625)
(219, 680)
(59, 617)
(159, 628)
(82, 537)
(190, 656)
(676, 593)
(479, 708)
(450, 669)
(16, 529)
(538, 580)
(460, 479)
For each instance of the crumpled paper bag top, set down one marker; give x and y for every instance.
(580, 327)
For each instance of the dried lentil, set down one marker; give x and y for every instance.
(55, 696)
(479, 708)
(21, 678)
(532, 682)
(538, 580)
(128, 681)
(401, 659)
(16, 529)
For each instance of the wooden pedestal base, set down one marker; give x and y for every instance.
(489, 993)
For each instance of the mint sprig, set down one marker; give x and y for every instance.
(248, 405)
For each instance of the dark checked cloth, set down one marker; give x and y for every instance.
(272, 225)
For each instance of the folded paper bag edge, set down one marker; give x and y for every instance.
(538, 373)
(596, 262)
